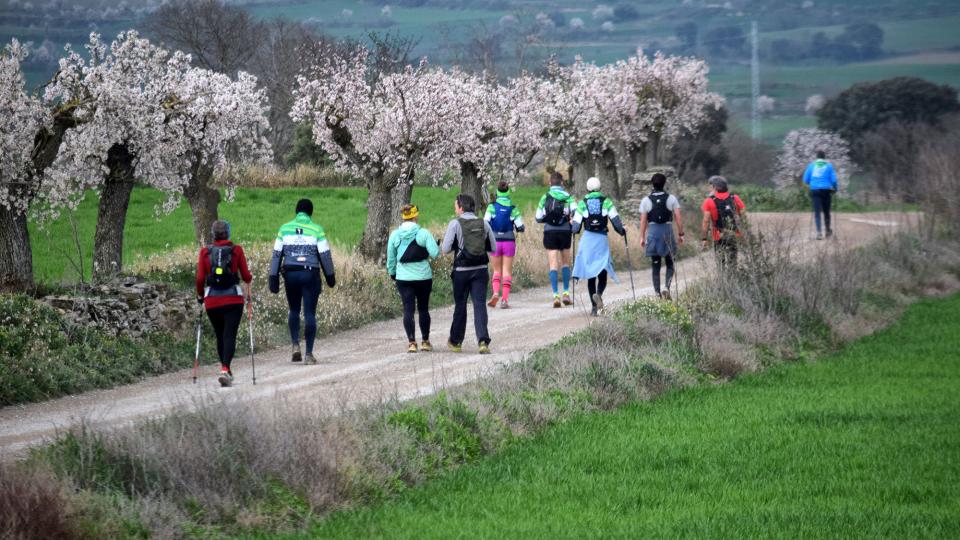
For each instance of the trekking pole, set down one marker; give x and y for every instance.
(253, 361)
(196, 355)
(626, 247)
(573, 255)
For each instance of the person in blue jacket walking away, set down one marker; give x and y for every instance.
(409, 251)
(822, 179)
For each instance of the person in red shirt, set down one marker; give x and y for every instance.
(223, 281)
(722, 215)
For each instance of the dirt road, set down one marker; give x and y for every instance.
(371, 363)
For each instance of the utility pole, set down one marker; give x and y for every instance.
(755, 81)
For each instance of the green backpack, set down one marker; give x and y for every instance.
(475, 243)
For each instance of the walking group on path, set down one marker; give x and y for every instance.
(301, 256)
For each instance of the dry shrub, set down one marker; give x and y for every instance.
(33, 504)
(302, 175)
(722, 353)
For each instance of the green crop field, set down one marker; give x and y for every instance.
(255, 214)
(865, 443)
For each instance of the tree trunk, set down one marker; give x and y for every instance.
(399, 196)
(653, 150)
(16, 259)
(607, 172)
(582, 166)
(470, 183)
(377, 229)
(112, 214)
(203, 201)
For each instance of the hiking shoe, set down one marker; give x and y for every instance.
(412, 347)
(665, 295)
(225, 378)
(493, 300)
(593, 312)
(819, 236)
(567, 301)
(310, 359)
(829, 233)
(598, 302)
(504, 304)
(556, 300)
(484, 347)
(295, 354)
(454, 347)
(425, 346)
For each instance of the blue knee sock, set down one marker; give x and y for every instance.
(553, 280)
(566, 279)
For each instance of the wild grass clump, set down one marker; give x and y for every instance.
(34, 504)
(44, 357)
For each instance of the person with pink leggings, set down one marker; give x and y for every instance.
(505, 220)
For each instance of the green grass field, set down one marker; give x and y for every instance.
(255, 214)
(865, 443)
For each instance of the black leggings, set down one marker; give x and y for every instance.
(655, 263)
(226, 323)
(416, 296)
(593, 287)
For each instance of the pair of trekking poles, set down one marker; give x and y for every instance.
(196, 355)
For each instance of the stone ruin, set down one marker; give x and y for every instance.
(640, 188)
(128, 306)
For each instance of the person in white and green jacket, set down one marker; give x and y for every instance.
(409, 251)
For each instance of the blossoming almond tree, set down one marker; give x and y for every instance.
(800, 147)
(380, 129)
(23, 118)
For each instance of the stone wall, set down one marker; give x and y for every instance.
(130, 307)
(640, 188)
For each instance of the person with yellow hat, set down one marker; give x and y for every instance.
(409, 251)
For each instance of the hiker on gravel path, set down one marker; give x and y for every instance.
(300, 252)
(658, 212)
(505, 219)
(822, 179)
(409, 251)
(722, 214)
(471, 240)
(555, 211)
(223, 281)
(593, 261)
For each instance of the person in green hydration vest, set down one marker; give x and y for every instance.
(556, 209)
(300, 252)
(505, 220)
(593, 261)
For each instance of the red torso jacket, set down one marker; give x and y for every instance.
(238, 265)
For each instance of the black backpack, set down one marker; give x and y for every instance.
(555, 211)
(221, 277)
(414, 253)
(660, 213)
(726, 213)
(475, 243)
(595, 221)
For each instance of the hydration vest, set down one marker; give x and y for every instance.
(595, 221)
(475, 243)
(726, 213)
(413, 252)
(501, 221)
(555, 211)
(221, 276)
(659, 213)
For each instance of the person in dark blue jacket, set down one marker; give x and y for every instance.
(822, 179)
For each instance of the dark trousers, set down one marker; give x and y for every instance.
(726, 251)
(821, 203)
(416, 296)
(596, 285)
(302, 287)
(655, 263)
(226, 322)
(473, 284)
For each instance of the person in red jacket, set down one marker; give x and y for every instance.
(722, 216)
(223, 281)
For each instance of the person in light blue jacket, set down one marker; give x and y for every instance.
(822, 179)
(409, 251)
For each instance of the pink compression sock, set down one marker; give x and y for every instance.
(507, 282)
(496, 283)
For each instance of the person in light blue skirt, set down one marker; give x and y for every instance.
(593, 261)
